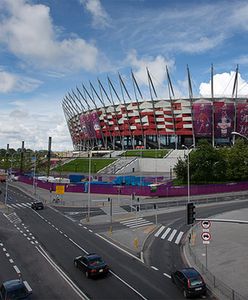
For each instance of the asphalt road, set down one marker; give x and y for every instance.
(63, 240)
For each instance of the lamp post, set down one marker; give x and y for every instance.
(188, 175)
(89, 183)
(34, 181)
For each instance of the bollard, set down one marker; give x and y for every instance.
(110, 230)
(136, 243)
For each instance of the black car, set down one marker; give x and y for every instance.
(37, 205)
(190, 282)
(15, 289)
(92, 264)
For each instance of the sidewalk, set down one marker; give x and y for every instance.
(224, 261)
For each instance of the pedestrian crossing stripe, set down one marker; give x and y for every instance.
(135, 223)
(169, 234)
(19, 205)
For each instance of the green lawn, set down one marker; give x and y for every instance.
(81, 165)
(151, 153)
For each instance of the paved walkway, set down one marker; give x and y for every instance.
(226, 257)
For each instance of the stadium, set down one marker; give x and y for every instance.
(108, 118)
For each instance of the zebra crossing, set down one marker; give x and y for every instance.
(13, 218)
(115, 210)
(136, 223)
(19, 205)
(169, 233)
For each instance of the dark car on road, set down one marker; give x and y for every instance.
(14, 290)
(92, 264)
(37, 205)
(190, 282)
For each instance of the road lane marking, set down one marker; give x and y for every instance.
(178, 239)
(154, 268)
(141, 225)
(165, 233)
(16, 269)
(128, 285)
(116, 246)
(167, 275)
(76, 289)
(131, 220)
(172, 235)
(159, 231)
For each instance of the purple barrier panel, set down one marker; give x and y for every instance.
(165, 190)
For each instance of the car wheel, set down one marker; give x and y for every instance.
(185, 294)
(87, 274)
(75, 264)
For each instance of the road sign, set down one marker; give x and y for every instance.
(205, 224)
(60, 189)
(206, 236)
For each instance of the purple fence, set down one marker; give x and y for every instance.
(165, 190)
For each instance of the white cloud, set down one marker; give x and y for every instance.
(223, 85)
(100, 16)
(34, 121)
(156, 66)
(13, 82)
(28, 32)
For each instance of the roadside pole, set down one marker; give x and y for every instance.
(111, 216)
(156, 214)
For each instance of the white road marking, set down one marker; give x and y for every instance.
(11, 261)
(62, 273)
(165, 233)
(178, 239)
(167, 275)
(131, 220)
(141, 225)
(172, 235)
(159, 231)
(16, 269)
(154, 268)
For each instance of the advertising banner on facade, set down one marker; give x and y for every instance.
(223, 119)
(242, 118)
(202, 119)
(83, 123)
(96, 124)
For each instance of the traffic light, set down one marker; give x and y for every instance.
(190, 213)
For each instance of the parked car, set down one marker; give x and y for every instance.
(37, 205)
(15, 289)
(190, 282)
(92, 264)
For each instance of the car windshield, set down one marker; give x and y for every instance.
(195, 281)
(96, 261)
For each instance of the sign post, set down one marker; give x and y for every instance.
(206, 237)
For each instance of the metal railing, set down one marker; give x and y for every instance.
(222, 290)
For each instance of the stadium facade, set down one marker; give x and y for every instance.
(154, 123)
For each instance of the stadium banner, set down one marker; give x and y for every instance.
(96, 124)
(223, 119)
(202, 119)
(83, 123)
(242, 118)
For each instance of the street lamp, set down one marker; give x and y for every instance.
(188, 175)
(34, 181)
(89, 183)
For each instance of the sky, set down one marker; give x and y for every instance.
(49, 47)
